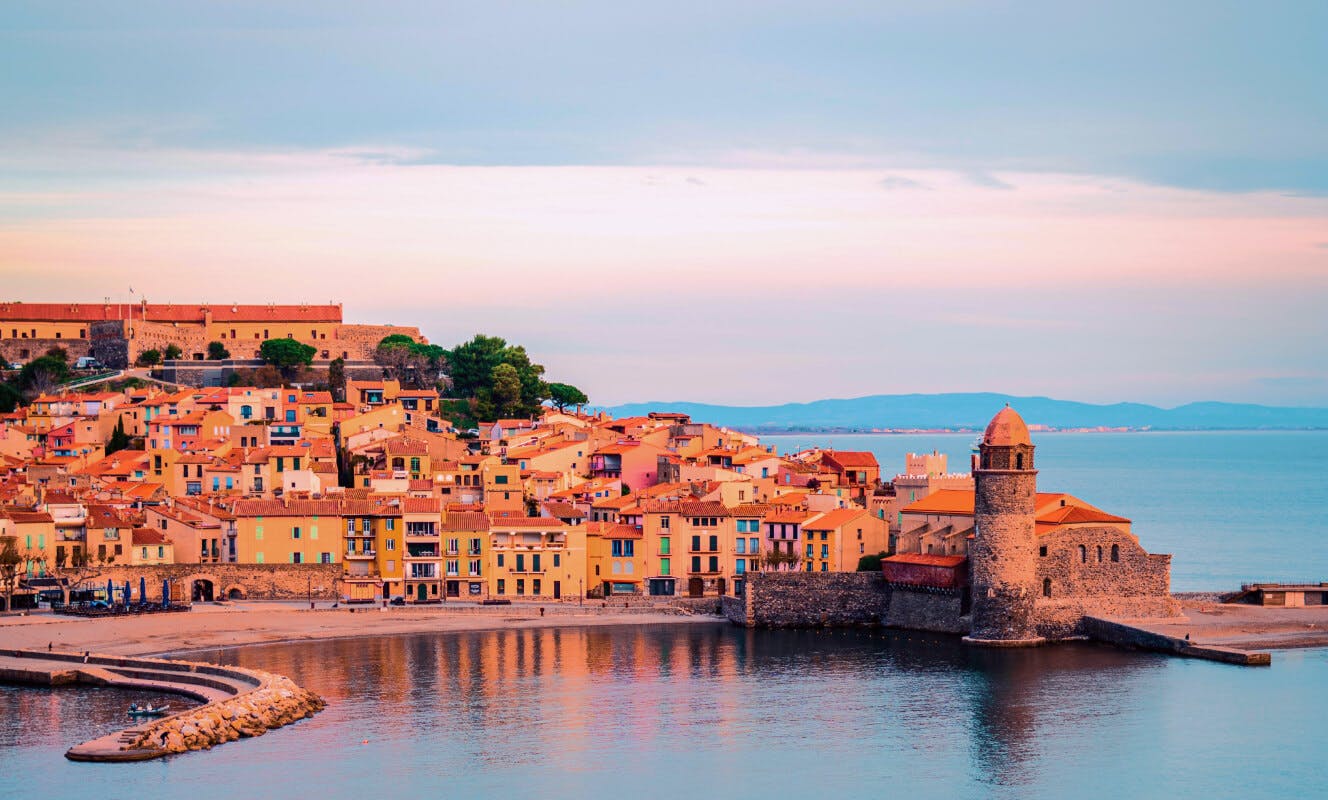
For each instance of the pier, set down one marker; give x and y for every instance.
(236, 702)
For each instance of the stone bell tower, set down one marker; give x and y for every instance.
(1003, 555)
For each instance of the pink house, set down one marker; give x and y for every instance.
(634, 463)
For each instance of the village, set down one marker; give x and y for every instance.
(368, 478)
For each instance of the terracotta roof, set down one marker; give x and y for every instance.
(404, 446)
(926, 560)
(835, 518)
(140, 536)
(1005, 429)
(498, 521)
(791, 517)
(165, 312)
(851, 458)
(421, 505)
(943, 501)
(613, 530)
(457, 521)
(1074, 514)
(751, 510)
(564, 511)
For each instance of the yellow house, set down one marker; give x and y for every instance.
(537, 558)
(836, 540)
(422, 554)
(616, 559)
(149, 547)
(293, 532)
(375, 547)
(467, 556)
(503, 489)
(34, 533)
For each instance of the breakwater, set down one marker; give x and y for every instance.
(237, 702)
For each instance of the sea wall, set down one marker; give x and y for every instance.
(1130, 637)
(1061, 619)
(809, 599)
(918, 609)
(233, 581)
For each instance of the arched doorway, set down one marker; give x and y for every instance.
(203, 591)
(235, 592)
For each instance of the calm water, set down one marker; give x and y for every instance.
(1230, 507)
(680, 711)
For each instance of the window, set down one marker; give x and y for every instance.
(475, 566)
(1042, 551)
(696, 543)
(390, 544)
(664, 522)
(664, 546)
(557, 560)
(1046, 587)
(714, 564)
(810, 549)
(714, 543)
(297, 558)
(391, 524)
(825, 551)
(696, 563)
(754, 545)
(500, 479)
(295, 532)
(1083, 554)
(534, 562)
(520, 587)
(665, 565)
(500, 561)
(741, 548)
(825, 566)
(452, 566)
(1115, 552)
(741, 566)
(520, 562)
(1099, 554)
(502, 584)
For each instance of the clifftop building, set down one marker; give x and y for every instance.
(116, 333)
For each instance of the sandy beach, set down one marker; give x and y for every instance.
(260, 622)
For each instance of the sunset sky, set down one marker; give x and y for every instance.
(730, 202)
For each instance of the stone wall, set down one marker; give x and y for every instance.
(24, 350)
(1081, 563)
(919, 609)
(807, 599)
(109, 344)
(248, 581)
(359, 342)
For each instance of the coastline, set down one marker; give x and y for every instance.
(241, 624)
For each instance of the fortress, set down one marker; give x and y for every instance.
(116, 333)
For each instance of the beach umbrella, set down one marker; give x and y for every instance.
(166, 591)
(142, 590)
(127, 592)
(110, 591)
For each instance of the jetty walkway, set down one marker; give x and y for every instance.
(235, 702)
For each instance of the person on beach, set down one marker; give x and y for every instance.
(86, 654)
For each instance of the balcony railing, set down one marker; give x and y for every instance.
(361, 554)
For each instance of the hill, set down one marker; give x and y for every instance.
(973, 410)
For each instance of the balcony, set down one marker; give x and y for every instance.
(352, 554)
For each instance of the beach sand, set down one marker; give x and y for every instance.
(208, 626)
(1245, 627)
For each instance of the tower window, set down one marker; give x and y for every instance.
(1046, 587)
(1099, 554)
(1042, 551)
(1019, 461)
(1083, 554)
(1115, 552)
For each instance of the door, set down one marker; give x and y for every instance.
(421, 593)
(557, 590)
(695, 587)
(723, 587)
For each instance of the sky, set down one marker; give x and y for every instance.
(747, 203)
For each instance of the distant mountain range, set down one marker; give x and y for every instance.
(974, 410)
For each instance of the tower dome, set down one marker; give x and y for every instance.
(1006, 429)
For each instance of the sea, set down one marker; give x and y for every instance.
(672, 711)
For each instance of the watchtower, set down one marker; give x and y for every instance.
(1003, 555)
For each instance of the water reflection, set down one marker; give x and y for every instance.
(661, 711)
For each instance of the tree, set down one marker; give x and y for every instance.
(506, 389)
(287, 354)
(42, 374)
(149, 358)
(59, 354)
(217, 351)
(871, 563)
(471, 364)
(411, 362)
(563, 395)
(336, 379)
(119, 439)
(9, 398)
(173, 352)
(11, 567)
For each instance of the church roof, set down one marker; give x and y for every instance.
(1005, 429)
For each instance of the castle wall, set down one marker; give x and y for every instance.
(24, 350)
(266, 581)
(809, 599)
(920, 609)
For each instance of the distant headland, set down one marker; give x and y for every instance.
(963, 412)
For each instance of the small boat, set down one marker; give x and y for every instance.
(135, 710)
